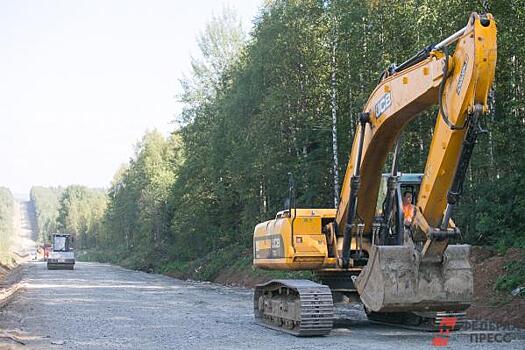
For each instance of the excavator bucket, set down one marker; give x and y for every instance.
(396, 280)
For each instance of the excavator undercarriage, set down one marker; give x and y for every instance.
(298, 307)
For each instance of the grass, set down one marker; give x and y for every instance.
(513, 278)
(234, 260)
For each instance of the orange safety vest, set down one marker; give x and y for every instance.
(408, 212)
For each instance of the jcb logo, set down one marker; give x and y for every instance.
(383, 104)
(461, 78)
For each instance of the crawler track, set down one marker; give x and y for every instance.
(298, 307)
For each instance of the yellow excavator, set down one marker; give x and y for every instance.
(402, 269)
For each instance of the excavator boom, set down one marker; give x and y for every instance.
(458, 83)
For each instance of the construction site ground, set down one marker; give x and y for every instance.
(102, 306)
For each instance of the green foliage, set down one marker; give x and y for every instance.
(98, 254)
(46, 202)
(493, 215)
(7, 203)
(257, 109)
(138, 214)
(234, 259)
(514, 276)
(208, 267)
(80, 214)
(271, 117)
(492, 210)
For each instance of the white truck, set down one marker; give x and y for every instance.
(61, 256)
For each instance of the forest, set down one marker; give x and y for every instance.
(284, 98)
(74, 209)
(46, 201)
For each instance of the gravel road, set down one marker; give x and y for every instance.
(99, 306)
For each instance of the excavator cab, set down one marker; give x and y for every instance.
(407, 182)
(396, 231)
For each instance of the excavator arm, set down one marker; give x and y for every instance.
(422, 271)
(459, 85)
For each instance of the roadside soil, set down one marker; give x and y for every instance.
(4, 270)
(23, 243)
(490, 304)
(11, 274)
(241, 278)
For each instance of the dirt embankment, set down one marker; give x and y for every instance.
(9, 283)
(3, 271)
(490, 304)
(22, 244)
(243, 278)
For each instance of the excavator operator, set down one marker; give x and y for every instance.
(408, 208)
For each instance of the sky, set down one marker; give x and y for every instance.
(82, 81)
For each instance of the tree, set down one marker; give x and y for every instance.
(138, 214)
(80, 213)
(46, 202)
(286, 101)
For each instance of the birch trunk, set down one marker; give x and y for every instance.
(334, 123)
